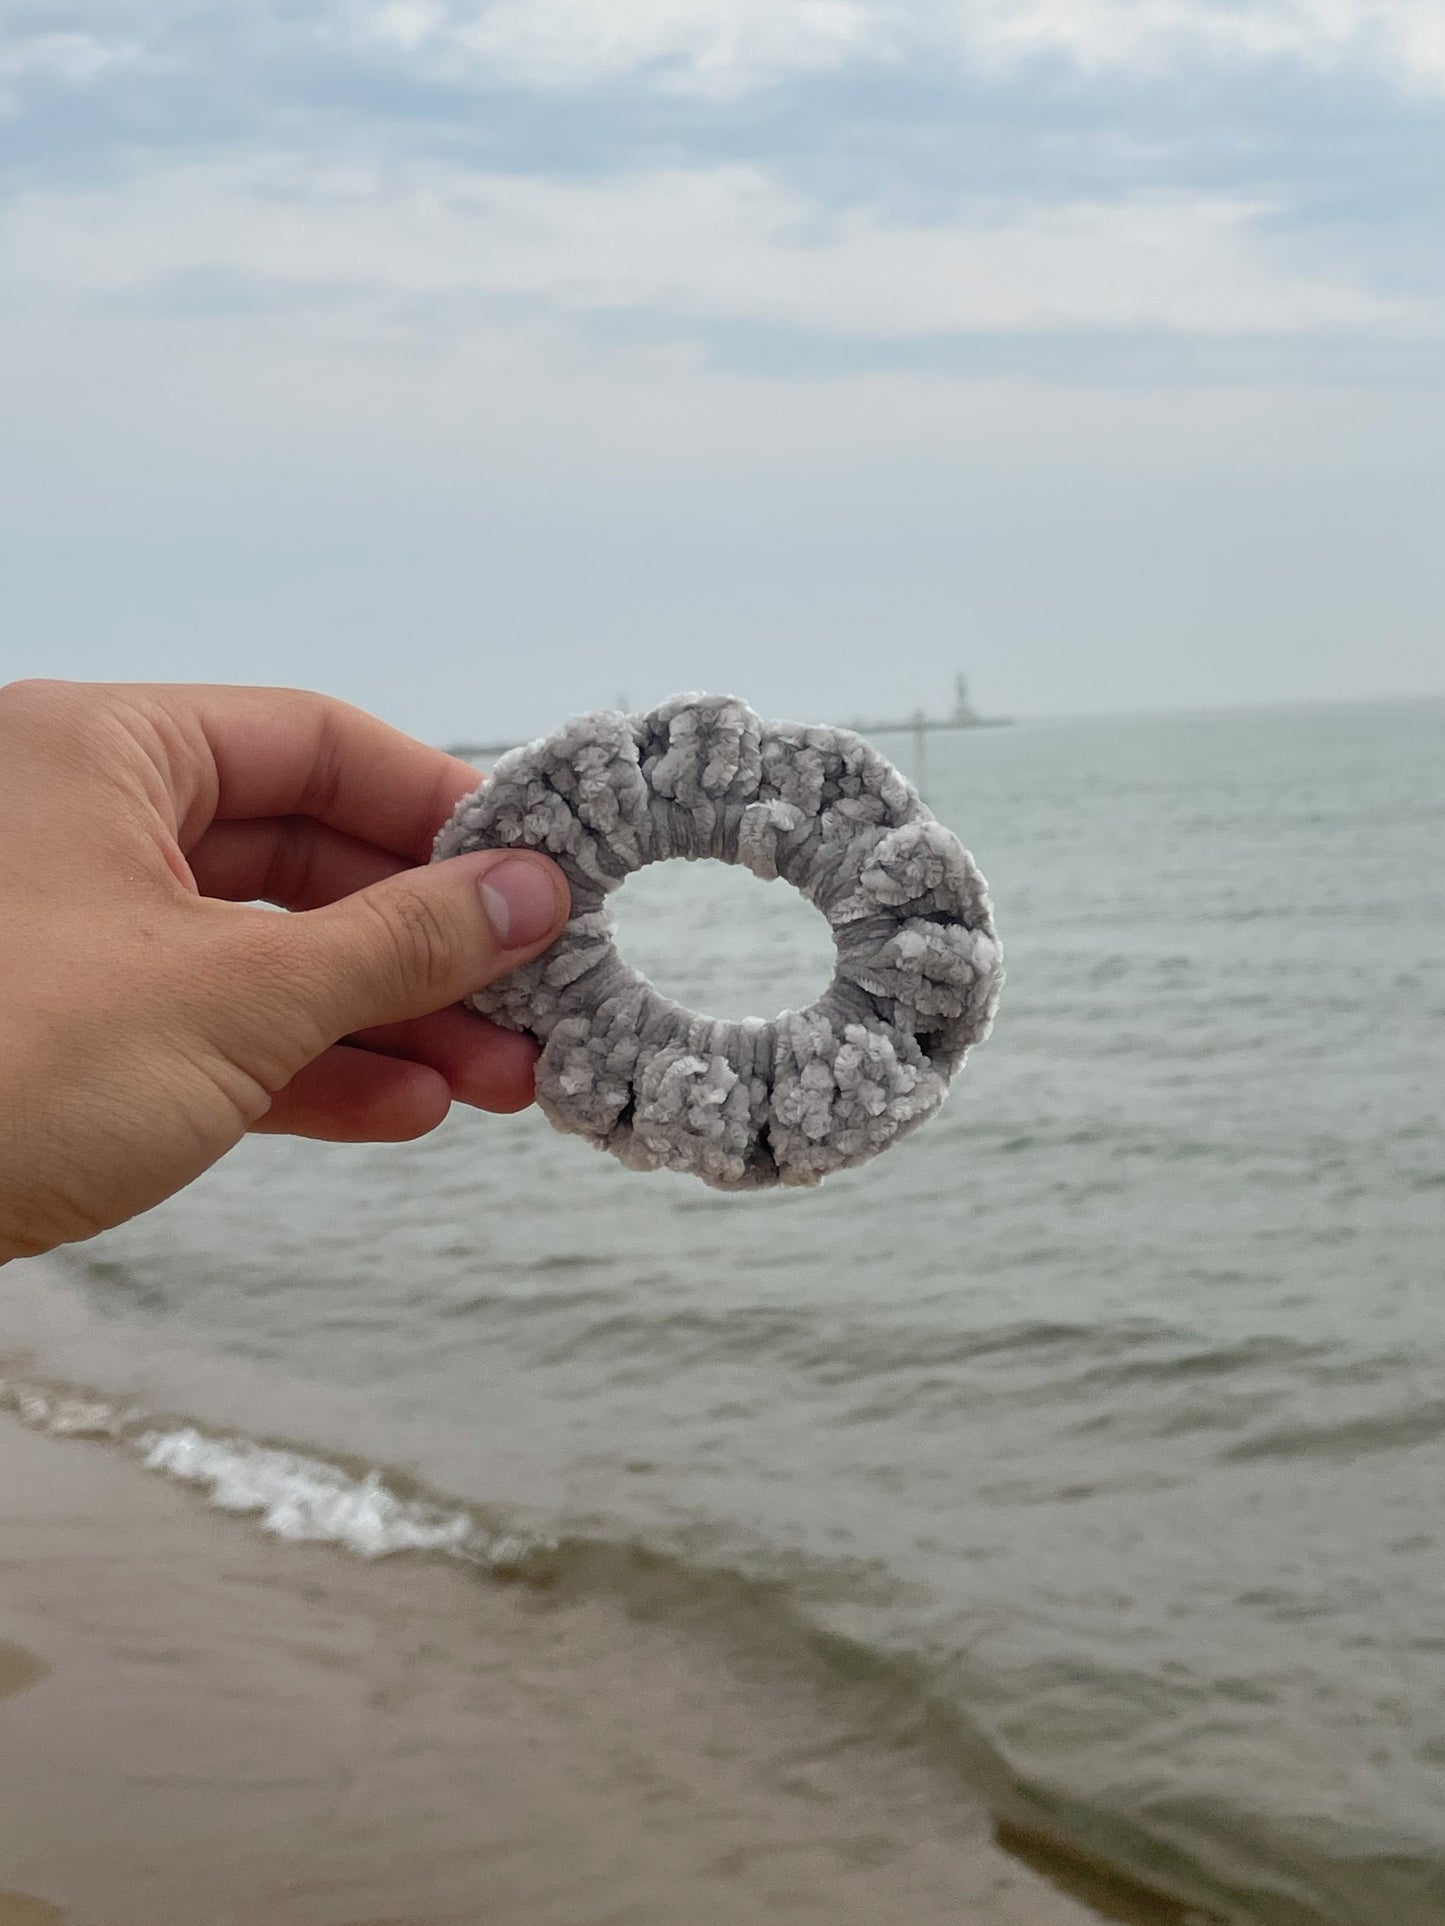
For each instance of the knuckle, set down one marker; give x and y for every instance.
(333, 752)
(422, 940)
(327, 775)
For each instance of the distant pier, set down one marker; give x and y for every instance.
(919, 725)
(964, 716)
(482, 752)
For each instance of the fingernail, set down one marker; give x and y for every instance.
(521, 902)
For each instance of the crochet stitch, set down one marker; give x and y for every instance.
(752, 1103)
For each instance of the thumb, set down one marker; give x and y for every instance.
(425, 938)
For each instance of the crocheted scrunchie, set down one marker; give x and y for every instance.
(757, 1102)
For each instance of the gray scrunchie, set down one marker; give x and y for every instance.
(750, 1103)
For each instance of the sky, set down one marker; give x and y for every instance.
(481, 361)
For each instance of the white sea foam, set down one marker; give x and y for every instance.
(295, 1496)
(62, 1414)
(304, 1498)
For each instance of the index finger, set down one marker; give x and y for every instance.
(260, 752)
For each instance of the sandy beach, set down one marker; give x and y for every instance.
(204, 1727)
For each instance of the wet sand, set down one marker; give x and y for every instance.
(204, 1727)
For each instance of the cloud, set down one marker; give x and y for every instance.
(1403, 38)
(69, 60)
(702, 246)
(727, 48)
(709, 46)
(730, 46)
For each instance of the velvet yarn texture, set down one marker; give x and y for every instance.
(750, 1103)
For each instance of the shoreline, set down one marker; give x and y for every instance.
(190, 1709)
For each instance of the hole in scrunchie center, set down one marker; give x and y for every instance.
(713, 937)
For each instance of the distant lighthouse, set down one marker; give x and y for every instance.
(964, 712)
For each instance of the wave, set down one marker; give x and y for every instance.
(1125, 1867)
(1346, 1439)
(291, 1493)
(303, 1498)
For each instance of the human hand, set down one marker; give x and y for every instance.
(151, 1013)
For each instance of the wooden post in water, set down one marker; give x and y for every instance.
(920, 752)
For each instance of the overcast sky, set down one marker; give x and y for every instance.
(481, 362)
